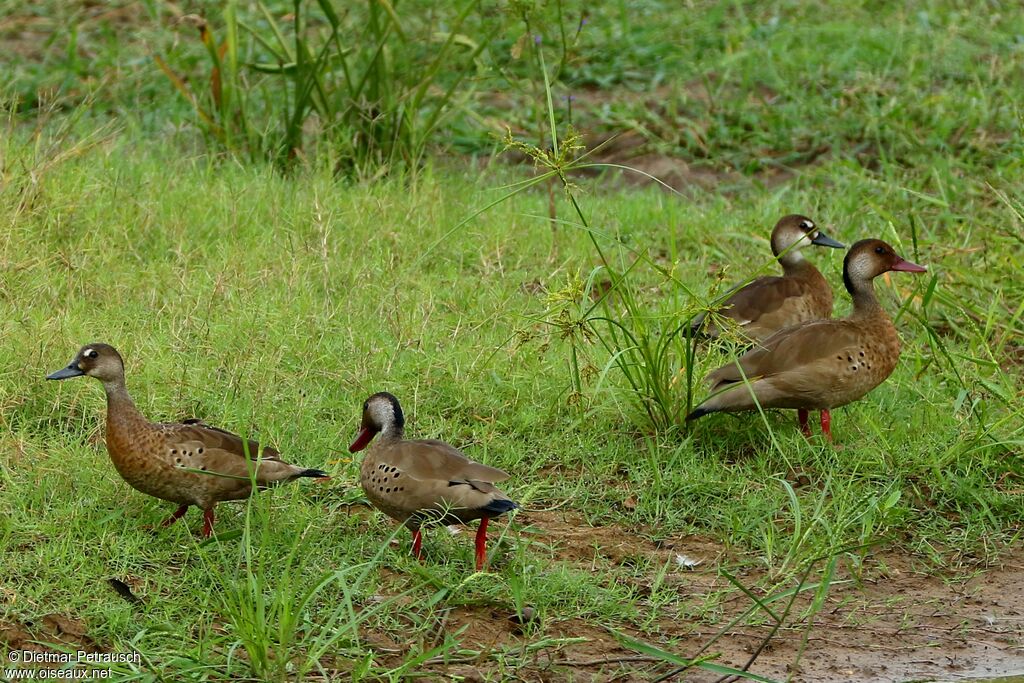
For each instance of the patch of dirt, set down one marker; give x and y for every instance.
(573, 540)
(27, 35)
(895, 623)
(681, 171)
(888, 621)
(1013, 357)
(662, 169)
(632, 150)
(53, 628)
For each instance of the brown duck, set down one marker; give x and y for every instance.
(428, 481)
(822, 364)
(769, 304)
(190, 463)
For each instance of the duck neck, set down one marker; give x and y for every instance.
(120, 407)
(795, 265)
(865, 302)
(392, 432)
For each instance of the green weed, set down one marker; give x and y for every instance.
(359, 78)
(276, 302)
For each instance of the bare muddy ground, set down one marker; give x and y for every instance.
(893, 621)
(897, 622)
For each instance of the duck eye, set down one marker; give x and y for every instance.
(91, 354)
(879, 250)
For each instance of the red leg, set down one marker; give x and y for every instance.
(481, 544)
(801, 416)
(826, 424)
(178, 514)
(208, 522)
(417, 544)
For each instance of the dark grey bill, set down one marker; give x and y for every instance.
(64, 373)
(823, 240)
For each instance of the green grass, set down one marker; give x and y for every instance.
(264, 304)
(747, 85)
(274, 305)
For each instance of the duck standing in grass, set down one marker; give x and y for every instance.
(821, 364)
(190, 463)
(769, 303)
(428, 481)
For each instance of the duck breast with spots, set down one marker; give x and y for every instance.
(769, 303)
(821, 364)
(189, 463)
(426, 481)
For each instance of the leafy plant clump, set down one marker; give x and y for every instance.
(370, 86)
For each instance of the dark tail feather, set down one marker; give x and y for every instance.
(698, 413)
(697, 327)
(315, 474)
(500, 506)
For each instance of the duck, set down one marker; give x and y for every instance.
(771, 303)
(425, 481)
(188, 463)
(821, 364)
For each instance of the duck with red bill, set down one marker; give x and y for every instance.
(424, 482)
(823, 364)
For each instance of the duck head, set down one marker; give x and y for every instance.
(101, 361)
(381, 413)
(867, 259)
(793, 232)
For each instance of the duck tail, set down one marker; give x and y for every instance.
(500, 506)
(699, 413)
(313, 474)
(697, 330)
